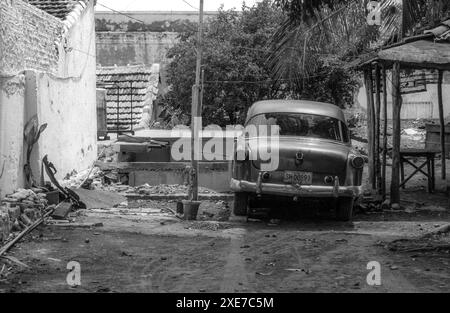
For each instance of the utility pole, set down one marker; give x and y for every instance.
(196, 113)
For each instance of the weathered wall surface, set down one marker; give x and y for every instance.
(162, 21)
(128, 48)
(68, 102)
(28, 38)
(68, 108)
(12, 111)
(58, 87)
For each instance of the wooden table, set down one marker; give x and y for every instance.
(429, 156)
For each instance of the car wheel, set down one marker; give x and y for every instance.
(240, 203)
(344, 209)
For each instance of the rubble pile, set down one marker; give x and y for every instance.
(109, 181)
(21, 209)
(436, 241)
(165, 189)
(92, 177)
(207, 225)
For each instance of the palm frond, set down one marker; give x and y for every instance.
(300, 49)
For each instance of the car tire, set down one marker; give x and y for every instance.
(344, 209)
(240, 203)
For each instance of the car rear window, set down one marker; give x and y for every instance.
(303, 125)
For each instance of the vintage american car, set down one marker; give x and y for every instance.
(315, 156)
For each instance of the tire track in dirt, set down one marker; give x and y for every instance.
(235, 274)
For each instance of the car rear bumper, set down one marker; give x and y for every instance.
(300, 191)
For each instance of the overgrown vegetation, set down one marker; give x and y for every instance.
(238, 47)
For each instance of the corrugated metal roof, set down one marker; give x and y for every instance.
(431, 48)
(440, 32)
(422, 53)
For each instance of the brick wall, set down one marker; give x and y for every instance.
(28, 38)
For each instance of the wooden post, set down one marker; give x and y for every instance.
(370, 125)
(396, 108)
(383, 168)
(442, 124)
(377, 127)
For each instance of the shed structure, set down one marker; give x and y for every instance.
(429, 51)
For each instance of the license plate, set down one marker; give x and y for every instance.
(302, 178)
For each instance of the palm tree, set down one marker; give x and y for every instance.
(318, 32)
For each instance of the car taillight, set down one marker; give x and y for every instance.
(357, 162)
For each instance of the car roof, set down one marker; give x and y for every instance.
(295, 106)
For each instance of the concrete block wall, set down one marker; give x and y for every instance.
(28, 38)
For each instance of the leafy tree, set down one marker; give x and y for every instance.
(338, 29)
(234, 63)
(238, 71)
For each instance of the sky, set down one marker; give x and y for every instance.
(169, 5)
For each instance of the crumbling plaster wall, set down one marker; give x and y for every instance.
(67, 102)
(12, 111)
(55, 81)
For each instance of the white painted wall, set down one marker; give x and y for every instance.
(410, 101)
(12, 110)
(65, 101)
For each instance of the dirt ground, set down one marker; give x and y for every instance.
(144, 248)
(147, 249)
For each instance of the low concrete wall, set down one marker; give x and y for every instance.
(215, 176)
(212, 175)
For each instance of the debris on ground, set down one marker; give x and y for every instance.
(99, 199)
(437, 240)
(109, 181)
(29, 228)
(62, 211)
(20, 210)
(146, 189)
(207, 225)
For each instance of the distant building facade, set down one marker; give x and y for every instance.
(140, 37)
